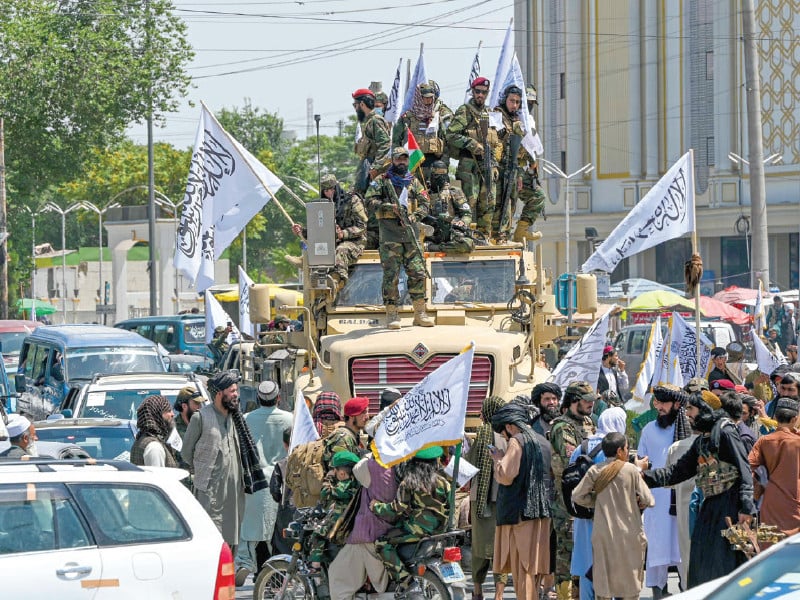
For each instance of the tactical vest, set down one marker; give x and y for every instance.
(715, 476)
(429, 143)
(365, 147)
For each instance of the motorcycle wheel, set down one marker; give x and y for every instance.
(433, 588)
(270, 579)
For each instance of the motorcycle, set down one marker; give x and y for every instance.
(434, 561)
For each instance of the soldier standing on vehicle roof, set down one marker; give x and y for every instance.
(425, 124)
(450, 216)
(351, 229)
(381, 100)
(374, 143)
(510, 102)
(469, 132)
(531, 193)
(393, 197)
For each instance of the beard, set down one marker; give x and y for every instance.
(361, 115)
(704, 422)
(549, 414)
(231, 403)
(399, 169)
(665, 421)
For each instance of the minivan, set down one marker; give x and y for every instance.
(55, 358)
(178, 334)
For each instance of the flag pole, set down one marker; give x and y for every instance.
(451, 519)
(695, 250)
(252, 170)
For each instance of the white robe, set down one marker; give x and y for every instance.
(660, 527)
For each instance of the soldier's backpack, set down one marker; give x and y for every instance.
(305, 473)
(572, 476)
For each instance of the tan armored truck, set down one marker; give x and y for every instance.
(495, 296)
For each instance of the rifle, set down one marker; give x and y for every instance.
(414, 232)
(487, 158)
(362, 176)
(509, 179)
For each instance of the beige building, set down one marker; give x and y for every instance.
(630, 86)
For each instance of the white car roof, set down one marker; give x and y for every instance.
(122, 382)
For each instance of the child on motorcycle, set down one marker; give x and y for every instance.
(338, 490)
(418, 510)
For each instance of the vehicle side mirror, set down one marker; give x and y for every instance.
(67, 412)
(19, 383)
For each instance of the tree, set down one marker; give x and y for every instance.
(74, 74)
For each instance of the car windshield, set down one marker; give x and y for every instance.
(120, 404)
(777, 575)
(100, 442)
(477, 281)
(195, 333)
(11, 343)
(364, 287)
(85, 363)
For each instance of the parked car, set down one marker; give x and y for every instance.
(179, 334)
(55, 450)
(119, 396)
(12, 333)
(101, 438)
(56, 358)
(774, 574)
(106, 530)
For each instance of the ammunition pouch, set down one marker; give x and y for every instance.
(715, 477)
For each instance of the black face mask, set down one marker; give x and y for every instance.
(438, 183)
(361, 115)
(399, 169)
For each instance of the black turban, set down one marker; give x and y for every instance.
(512, 413)
(544, 388)
(221, 381)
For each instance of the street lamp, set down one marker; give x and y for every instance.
(52, 207)
(100, 212)
(553, 169)
(33, 214)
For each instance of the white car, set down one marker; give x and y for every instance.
(106, 529)
(773, 574)
(118, 396)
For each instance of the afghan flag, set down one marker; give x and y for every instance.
(415, 155)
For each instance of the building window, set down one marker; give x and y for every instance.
(670, 257)
(735, 263)
(709, 65)
(564, 161)
(710, 151)
(562, 85)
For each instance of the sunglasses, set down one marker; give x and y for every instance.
(481, 92)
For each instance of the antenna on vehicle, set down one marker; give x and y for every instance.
(522, 278)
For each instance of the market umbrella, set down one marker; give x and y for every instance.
(713, 308)
(736, 295)
(662, 301)
(42, 308)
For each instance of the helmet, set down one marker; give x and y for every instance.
(531, 95)
(438, 168)
(328, 181)
(426, 90)
(439, 176)
(435, 87)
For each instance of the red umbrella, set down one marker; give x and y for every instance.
(736, 295)
(715, 309)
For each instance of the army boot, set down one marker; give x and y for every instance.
(392, 318)
(421, 319)
(521, 232)
(295, 261)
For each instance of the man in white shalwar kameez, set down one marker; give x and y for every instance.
(661, 527)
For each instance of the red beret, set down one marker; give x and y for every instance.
(608, 350)
(479, 81)
(363, 92)
(356, 406)
(723, 384)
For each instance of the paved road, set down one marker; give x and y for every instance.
(246, 591)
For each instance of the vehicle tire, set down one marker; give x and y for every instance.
(271, 578)
(433, 588)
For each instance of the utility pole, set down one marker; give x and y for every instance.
(758, 199)
(151, 184)
(3, 231)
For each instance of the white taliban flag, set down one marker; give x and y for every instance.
(503, 66)
(666, 212)
(227, 186)
(217, 317)
(530, 141)
(419, 77)
(767, 361)
(432, 413)
(582, 362)
(245, 326)
(390, 111)
(303, 428)
(474, 71)
(640, 402)
(683, 347)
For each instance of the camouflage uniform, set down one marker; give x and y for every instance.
(373, 146)
(464, 135)
(501, 223)
(342, 439)
(351, 217)
(566, 433)
(335, 497)
(448, 205)
(531, 194)
(417, 515)
(397, 247)
(431, 144)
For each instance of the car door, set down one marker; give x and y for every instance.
(46, 547)
(145, 542)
